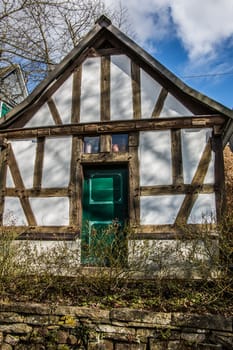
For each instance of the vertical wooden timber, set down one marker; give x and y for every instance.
(38, 167)
(105, 88)
(24, 200)
(75, 186)
(54, 111)
(105, 143)
(134, 185)
(176, 150)
(76, 95)
(136, 90)
(3, 171)
(219, 176)
(198, 179)
(159, 103)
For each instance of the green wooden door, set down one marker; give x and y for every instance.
(105, 211)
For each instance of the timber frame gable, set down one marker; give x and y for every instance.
(169, 140)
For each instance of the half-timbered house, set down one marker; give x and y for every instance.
(111, 134)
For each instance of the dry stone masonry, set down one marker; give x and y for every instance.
(49, 327)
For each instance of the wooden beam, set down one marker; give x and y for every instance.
(38, 192)
(176, 189)
(134, 186)
(75, 186)
(105, 88)
(159, 103)
(38, 167)
(115, 127)
(105, 157)
(54, 111)
(136, 90)
(3, 172)
(53, 233)
(105, 143)
(172, 231)
(220, 195)
(20, 186)
(198, 179)
(176, 151)
(76, 95)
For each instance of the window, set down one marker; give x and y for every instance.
(120, 143)
(91, 144)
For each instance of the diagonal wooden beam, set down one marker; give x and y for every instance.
(38, 167)
(159, 103)
(136, 90)
(198, 179)
(76, 95)
(54, 111)
(18, 181)
(105, 88)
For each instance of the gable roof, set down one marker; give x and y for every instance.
(102, 35)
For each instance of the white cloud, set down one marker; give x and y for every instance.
(201, 25)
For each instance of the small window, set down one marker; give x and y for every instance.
(91, 144)
(120, 143)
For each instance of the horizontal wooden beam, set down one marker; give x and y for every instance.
(43, 232)
(36, 192)
(207, 121)
(176, 189)
(162, 231)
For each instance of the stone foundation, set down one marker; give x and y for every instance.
(50, 327)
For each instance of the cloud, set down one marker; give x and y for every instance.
(201, 25)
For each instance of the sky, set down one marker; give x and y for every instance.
(192, 38)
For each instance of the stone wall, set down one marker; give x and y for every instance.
(49, 327)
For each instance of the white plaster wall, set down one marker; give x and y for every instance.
(58, 257)
(90, 91)
(193, 145)
(57, 157)
(25, 152)
(187, 258)
(159, 210)
(173, 108)
(42, 117)
(150, 91)
(204, 209)
(155, 158)
(63, 100)
(13, 212)
(121, 88)
(9, 179)
(51, 211)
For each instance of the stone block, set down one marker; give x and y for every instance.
(209, 347)
(6, 347)
(103, 345)
(194, 338)
(124, 346)
(17, 328)
(10, 317)
(141, 316)
(208, 321)
(12, 340)
(157, 345)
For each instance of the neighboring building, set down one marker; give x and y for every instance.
(110, 135)
(13, 89)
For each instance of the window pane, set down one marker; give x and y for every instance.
(120, 143)
(91, 144)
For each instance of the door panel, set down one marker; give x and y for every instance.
(105, 210)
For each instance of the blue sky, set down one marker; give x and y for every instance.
(192, 38)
